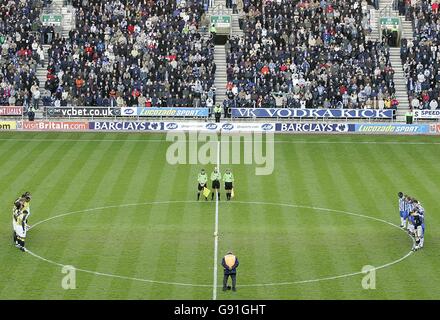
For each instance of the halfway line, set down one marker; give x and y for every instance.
(214, 288)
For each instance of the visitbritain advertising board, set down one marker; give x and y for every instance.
(52, 125)
(311, 113)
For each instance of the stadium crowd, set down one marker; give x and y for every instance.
(21, 37)
(129, 53)
(306, 54)
(420, 57)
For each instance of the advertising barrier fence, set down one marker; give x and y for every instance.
(81, 112)
(172, 112)
(125, 126)
(314, 127)
(311, 113)
(226, 127)
(179, 126)
(52, 125)
(426, 114)
(392, 128)
(100, 112)
(223, 127)
(8, 125)
(11, 111)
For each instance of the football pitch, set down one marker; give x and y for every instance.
(111, 206)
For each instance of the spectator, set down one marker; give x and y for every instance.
(420, 56)
(313, 65)
(118, 53)
(415, 103)
(19, 40)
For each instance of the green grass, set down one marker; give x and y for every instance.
(173, 241)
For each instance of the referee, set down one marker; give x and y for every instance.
(228, 178)
(215, 178)
(202, 179)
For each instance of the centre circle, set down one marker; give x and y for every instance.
(253, 203)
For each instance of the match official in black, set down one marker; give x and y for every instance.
(217, 112)
(215, 178)
(230, 264)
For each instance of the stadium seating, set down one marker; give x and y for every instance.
(21, 51)
(143, 52)
(308, 54)
(420, 56)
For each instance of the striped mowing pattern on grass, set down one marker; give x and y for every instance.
(173, 242)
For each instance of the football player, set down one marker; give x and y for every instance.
(409, 209)
(27, 206)
(418, 233)
(402, 210)
(421, 213)
(18, 221)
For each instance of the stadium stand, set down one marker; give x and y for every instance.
(127, 53)
(306, 54)
(420, 55)
(21, 37)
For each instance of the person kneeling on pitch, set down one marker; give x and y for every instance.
(215, 178)
(202, 179)
(230, 264)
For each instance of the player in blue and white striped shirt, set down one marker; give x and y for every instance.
(410, 207)
(402, 210)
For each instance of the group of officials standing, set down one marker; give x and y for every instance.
(202, 180)
(229, 261)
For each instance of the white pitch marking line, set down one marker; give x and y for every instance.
(119, 276)
(209, 285)
(214, 288)
(277, 141)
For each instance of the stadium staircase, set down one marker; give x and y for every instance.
(220, 73)
(386, 9)
(220, 53)
(67, 24)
